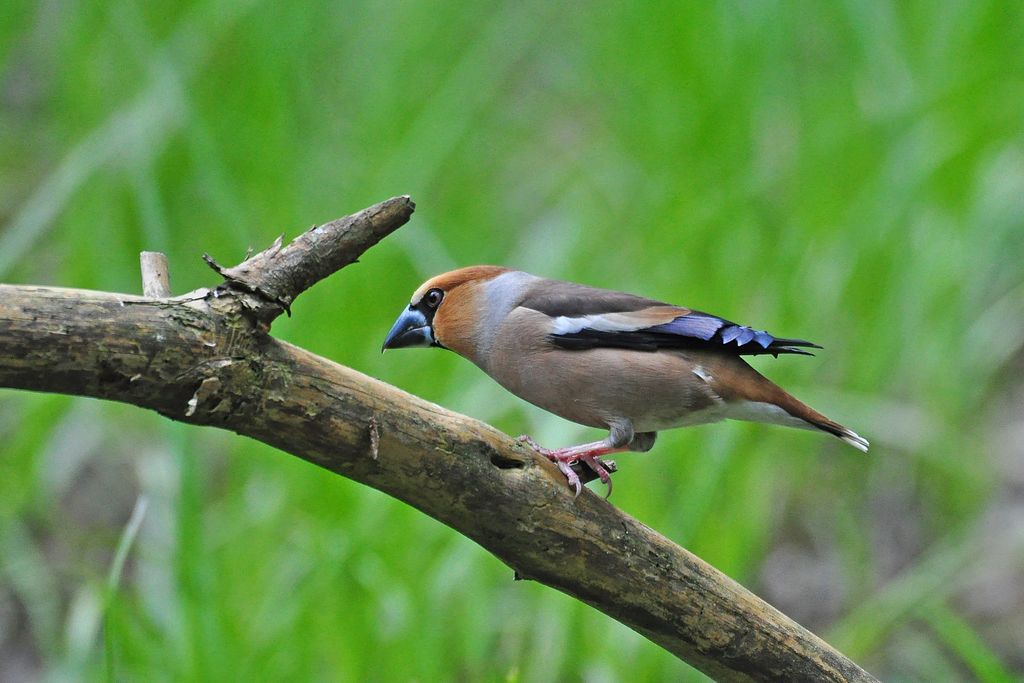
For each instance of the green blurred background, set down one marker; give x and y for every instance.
(852, 173)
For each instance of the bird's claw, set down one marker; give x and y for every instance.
(570, 475)
(577, 469)
(600, 470)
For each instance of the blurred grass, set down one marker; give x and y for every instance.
(848, 172)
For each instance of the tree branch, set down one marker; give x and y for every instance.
(278, 274)
(205, 358)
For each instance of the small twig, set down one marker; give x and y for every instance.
(156, 278)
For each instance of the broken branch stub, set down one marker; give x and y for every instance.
(156, 279)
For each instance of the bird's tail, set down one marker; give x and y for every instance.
(826, 425)
(797, 413)
(815, 420)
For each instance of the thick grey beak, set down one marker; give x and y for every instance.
(411, 329)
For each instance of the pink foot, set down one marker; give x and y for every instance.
(571, 461)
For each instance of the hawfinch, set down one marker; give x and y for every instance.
(604, 359)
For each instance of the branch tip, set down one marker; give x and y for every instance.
(281, 272)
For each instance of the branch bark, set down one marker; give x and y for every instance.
(205, 358)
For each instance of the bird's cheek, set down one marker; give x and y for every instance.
(454, 339)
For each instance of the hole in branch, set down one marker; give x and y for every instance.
(501, 462)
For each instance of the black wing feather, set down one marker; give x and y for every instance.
(695, 330)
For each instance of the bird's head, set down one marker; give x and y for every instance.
(444, 311)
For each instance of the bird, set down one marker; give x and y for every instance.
(602, 358)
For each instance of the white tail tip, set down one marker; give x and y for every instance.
(855, 440)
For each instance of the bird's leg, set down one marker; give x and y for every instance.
(565, 466)
(588, 454)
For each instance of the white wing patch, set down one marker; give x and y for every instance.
(609, 322)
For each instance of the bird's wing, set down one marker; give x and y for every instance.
(586, 318)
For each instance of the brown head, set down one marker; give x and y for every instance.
(444, 311)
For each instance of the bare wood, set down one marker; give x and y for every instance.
(156, 278)
(279, 273)
(205, 359)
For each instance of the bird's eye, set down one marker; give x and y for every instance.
(433, 298)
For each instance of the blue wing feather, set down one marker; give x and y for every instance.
(692, 330)
(699, 325)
